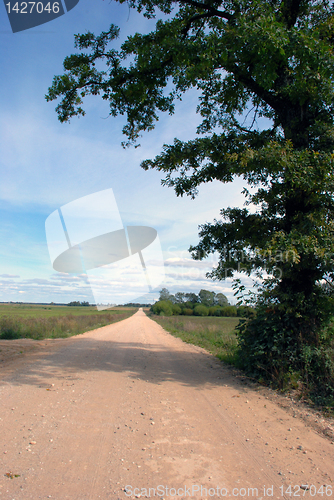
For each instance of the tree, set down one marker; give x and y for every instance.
(207, 298)
(221, 300)
(163, 308)
(219, 47)
(180, 297)
(164, 295)
(77, 303)
(192, 297)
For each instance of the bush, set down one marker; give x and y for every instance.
(216, 311)
(270, 350)
(318, 373)
(176, 309)
(187, 312)
(201, 310)
(163, 308)
(229, 311)
(245, 312)
(10, 328)
(189, 305)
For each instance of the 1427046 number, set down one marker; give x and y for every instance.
(30, 7)
(303, 491)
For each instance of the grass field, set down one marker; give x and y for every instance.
(50, 321)
(215, 334)
(46, 311)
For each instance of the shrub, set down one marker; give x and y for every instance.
(163, 308)
(201, 310)
(214, 311)
(176, 309)
(187, 312)
(245, 312)
(270, 350)
(10, 328)
(229, 311)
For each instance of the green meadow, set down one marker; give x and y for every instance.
(37, 321)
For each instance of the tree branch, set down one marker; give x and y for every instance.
(195, 18)
(289, 11)
(251, 84)
(207, 7)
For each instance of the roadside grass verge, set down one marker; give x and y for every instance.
(57, 324)
(215, 334)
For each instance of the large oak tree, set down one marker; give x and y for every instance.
(272, 60)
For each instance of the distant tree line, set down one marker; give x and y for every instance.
(206, 303)
(136, 304)
(77, 303)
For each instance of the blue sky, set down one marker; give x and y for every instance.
(45, 164)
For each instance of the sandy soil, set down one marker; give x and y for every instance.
(128, 411)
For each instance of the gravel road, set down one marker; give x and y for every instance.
(128, 411)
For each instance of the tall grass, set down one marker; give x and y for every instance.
(215, 334)
(60, 326)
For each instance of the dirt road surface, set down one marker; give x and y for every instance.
(128, 411)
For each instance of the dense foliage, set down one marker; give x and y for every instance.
(204, 297)
(167, 308)
(206, 303)
(269, 60)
